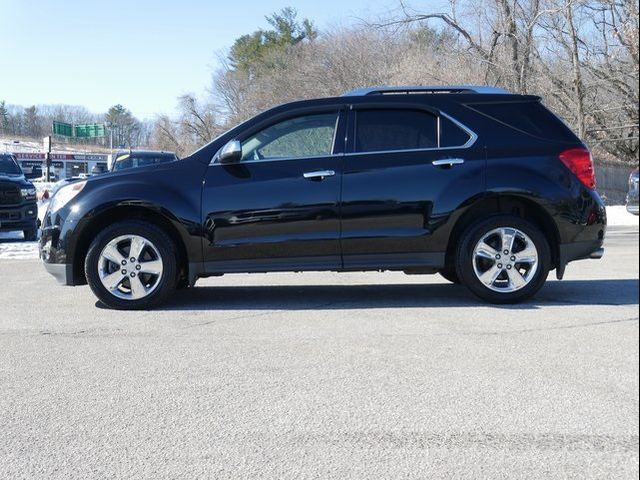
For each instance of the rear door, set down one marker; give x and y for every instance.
(407, 169)
(278, 208)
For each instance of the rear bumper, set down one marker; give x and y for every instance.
(570, 252)
(597, 254)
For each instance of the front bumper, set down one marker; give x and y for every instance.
(62, 272)
(21, 217)
(54, 246)
(52, 255)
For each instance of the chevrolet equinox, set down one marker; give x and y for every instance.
(487, 188)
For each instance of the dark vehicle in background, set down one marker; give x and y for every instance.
(32, 173)
(18, 207)
(632, 196)
(487, 188)
(140, 158)
(98, 170)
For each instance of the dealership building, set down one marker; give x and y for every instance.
(63, 165)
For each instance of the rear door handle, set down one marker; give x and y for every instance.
(447, 162)
(318, 175)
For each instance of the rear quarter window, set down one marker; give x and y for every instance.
(529, 117)
(451, 135)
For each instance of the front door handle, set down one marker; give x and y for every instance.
(447, 162)
(318, 175)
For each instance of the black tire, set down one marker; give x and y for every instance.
(30, 235)
(450, 275)
(166, 282)
(465, 262)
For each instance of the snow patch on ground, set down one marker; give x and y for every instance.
(617, 216)
(42, 186)
(13, 247)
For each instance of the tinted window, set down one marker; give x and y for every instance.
(386, 129)
(307, 136)
(528, 117)
(123, 162)
(131, 161)
(451, 135)
(9, 166)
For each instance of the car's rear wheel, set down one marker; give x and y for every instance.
(503, 259)
(132, 265)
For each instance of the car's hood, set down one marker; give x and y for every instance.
(133, 173)
(20, 179)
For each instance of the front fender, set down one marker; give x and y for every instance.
(174, 194)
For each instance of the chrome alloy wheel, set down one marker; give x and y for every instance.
(505, 260)
(130, 267)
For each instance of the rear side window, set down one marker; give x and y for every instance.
(531, 118)
(389, 129)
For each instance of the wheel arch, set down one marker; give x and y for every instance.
(118, 213)
(512, 204)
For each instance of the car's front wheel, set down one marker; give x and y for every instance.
(132, 265)
(503, 259)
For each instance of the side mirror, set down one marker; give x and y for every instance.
(231, 152)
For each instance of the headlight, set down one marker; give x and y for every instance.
(65, 195)
(28, 192)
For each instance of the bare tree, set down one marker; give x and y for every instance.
(581, 56)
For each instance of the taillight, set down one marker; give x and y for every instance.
(579, 161)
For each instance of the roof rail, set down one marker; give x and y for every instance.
(384, 90)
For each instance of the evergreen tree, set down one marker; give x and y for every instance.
(253, 48)
(123, 125)
(4, 117)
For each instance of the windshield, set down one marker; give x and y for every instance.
(9, 166)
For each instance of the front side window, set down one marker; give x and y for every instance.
(388, 129)
(307, 136)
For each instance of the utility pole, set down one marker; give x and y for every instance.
(47, 157)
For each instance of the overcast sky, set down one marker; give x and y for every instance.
(140, 53)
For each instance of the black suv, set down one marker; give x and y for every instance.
(18, 207)
(488, 188)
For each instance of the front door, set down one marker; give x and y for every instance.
(278, 207)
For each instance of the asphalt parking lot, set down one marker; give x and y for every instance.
(323, 375)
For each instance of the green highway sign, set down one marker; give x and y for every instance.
(90, 130)
(87, 130)
(62, 129)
